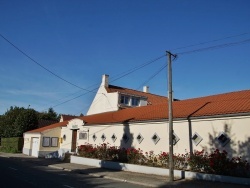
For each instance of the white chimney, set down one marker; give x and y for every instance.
(145, 89)
(105, 80)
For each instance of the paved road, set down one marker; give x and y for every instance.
(19, 173)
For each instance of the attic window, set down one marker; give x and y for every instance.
(94, 137)
(124, 99)
(135, 101)
(113, 137)
(223, 139)
(196, 139)
(125, 138)
(155, 138)
(103, 137)
(139, 138)
(175, 139)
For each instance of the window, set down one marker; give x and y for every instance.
(94, 137)
(83, 135)
(113, 137)
(223, 139)
(155, 138)
(196, 138)
(125, 138)
(135, 101)
(175, 139)
(139, 138)
(103, 137)
(54, 141)
(46, 141)
(124, 99)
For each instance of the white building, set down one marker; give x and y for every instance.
(218, 121)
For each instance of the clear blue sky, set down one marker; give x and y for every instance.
(81, 40)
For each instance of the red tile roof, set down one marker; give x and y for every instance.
(151, 98)
(223, 104)
(68, 117)
(60, 124)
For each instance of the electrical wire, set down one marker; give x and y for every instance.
(130, 71)
(215, 40)
(215, 47)
(152, 76)
(40, 65)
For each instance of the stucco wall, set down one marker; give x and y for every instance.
(103, 102)
(56, 132)
(236, 128)
(27, 146)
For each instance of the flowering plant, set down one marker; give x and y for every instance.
(217, 162)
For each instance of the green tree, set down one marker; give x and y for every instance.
(25, 121)
(50, 115)
(16, 121)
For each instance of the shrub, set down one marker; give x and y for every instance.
(200, 161)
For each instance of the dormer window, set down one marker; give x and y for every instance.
(135, 101)
(124, 99)
(127, 100)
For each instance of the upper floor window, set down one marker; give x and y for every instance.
(135, 101)
(124, 99)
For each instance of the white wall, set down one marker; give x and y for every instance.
(208, 129)
(103, 102)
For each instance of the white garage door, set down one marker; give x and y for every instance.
(35, 146)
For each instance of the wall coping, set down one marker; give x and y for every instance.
(157, 171)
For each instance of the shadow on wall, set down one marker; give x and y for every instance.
(126, 142)
(230, 146)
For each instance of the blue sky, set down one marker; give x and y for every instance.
(82, 40)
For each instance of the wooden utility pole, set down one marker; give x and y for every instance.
(170, 117)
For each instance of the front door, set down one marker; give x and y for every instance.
(35, 146)
(73, 143)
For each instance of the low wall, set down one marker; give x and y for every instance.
(157, 171)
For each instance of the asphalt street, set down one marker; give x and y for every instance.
(20, 173)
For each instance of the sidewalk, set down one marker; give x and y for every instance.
(135, 178)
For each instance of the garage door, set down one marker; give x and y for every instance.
(35, 147)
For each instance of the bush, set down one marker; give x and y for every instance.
(12, 145)
(200, 161)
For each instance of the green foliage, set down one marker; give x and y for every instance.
(25, 121)
(50, 115)
(217, 162)
(18, 120)
(12, 145)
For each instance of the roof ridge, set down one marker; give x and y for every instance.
(219, 94)
(138, 91)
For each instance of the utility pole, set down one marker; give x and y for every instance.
(170, 116)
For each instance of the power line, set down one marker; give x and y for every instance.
(206, 42)
(152, 76)
(137, 68)
(215, 47)
(34, 61)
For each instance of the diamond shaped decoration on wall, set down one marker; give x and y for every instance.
(155, 138)
(125, 138)
(196, 139)
(113, 137)
(223, 138)
(103, 137)
(139, 138)
(175, 139)
(94, 137)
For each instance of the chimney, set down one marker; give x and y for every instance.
(105, 80)
(145, 89)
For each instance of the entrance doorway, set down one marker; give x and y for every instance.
(73, 143)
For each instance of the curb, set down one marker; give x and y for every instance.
(103, 176)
